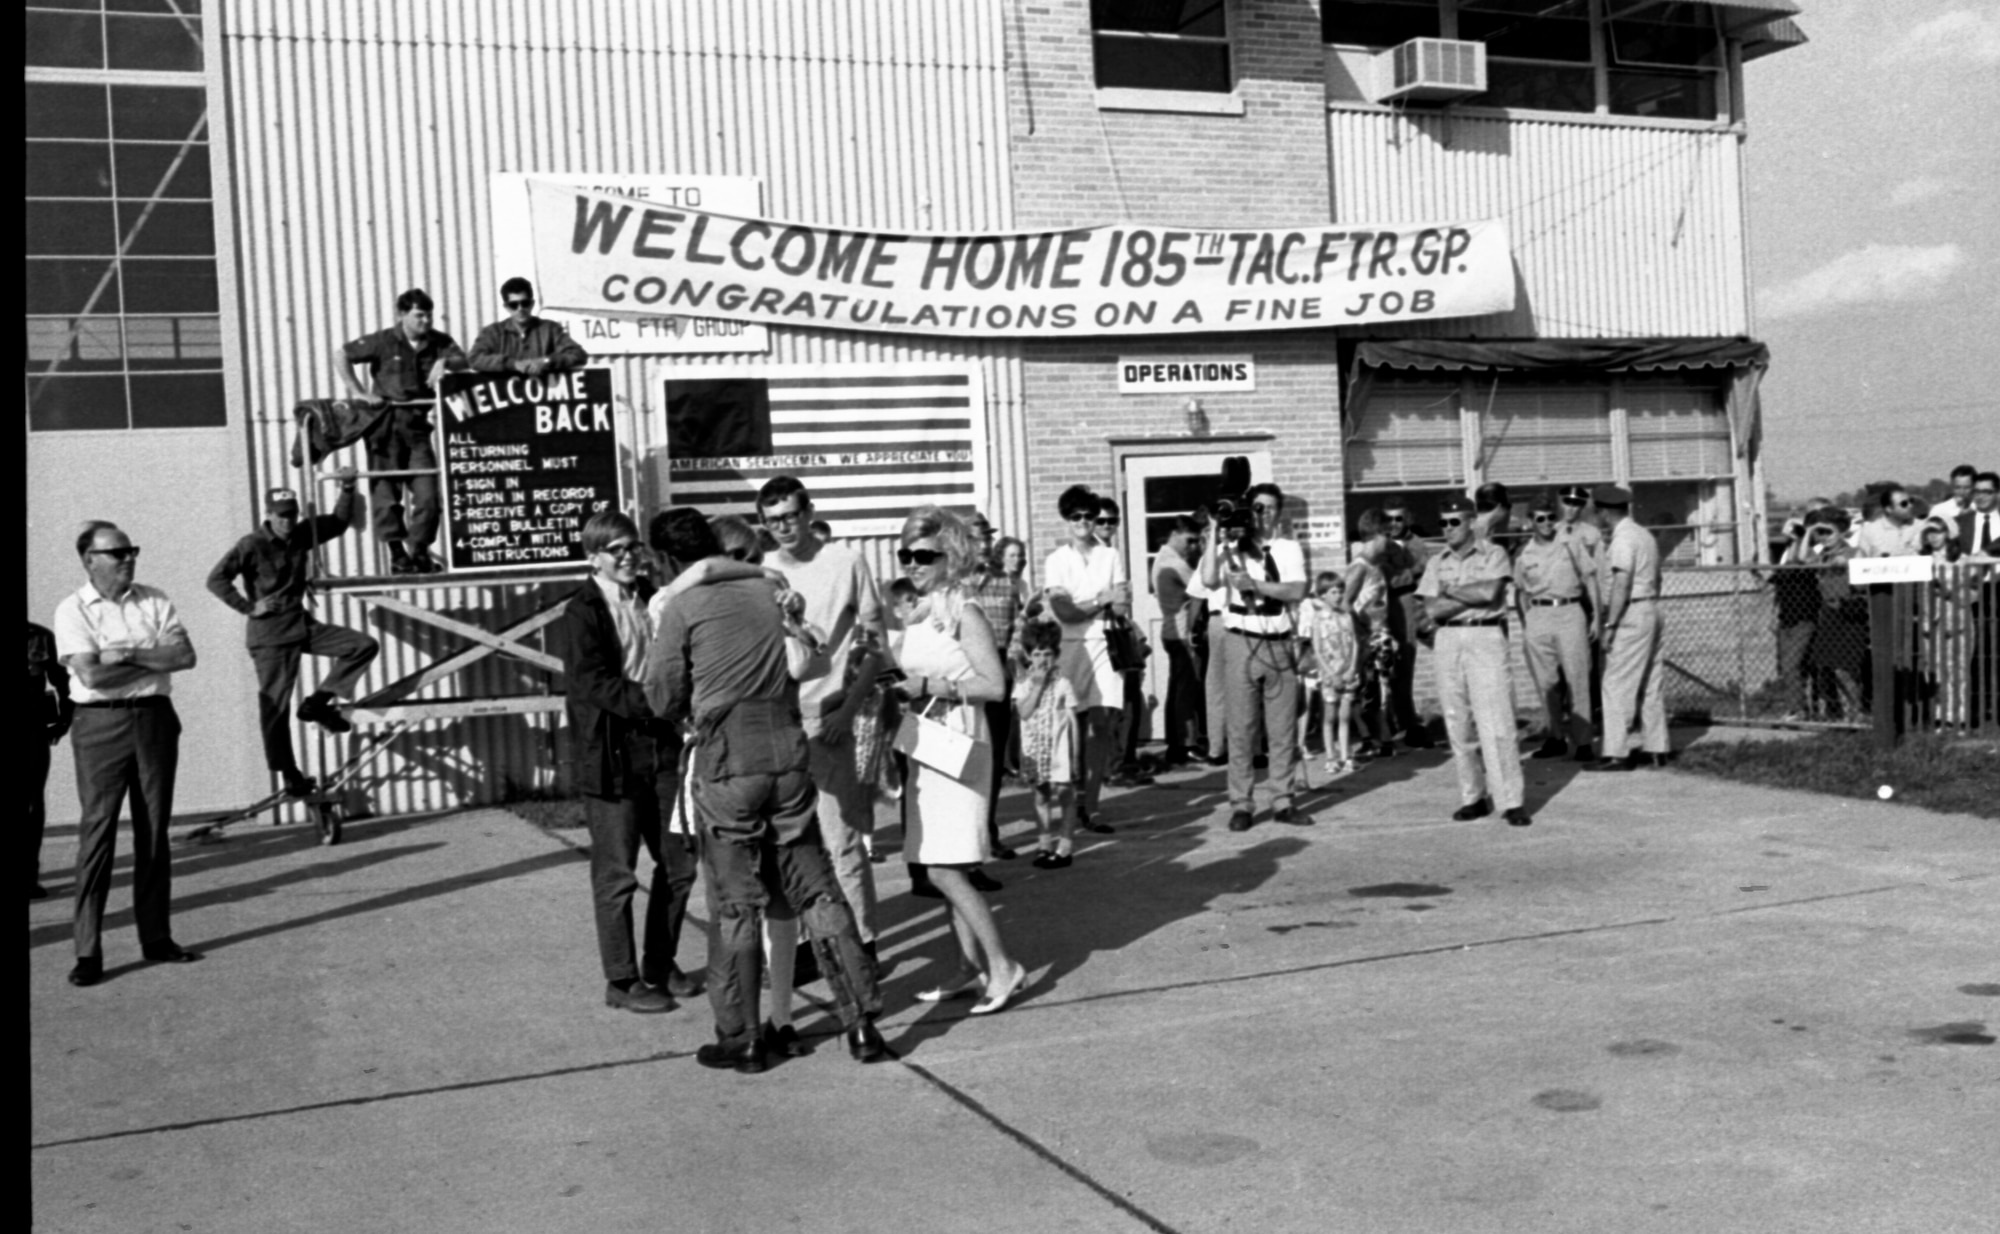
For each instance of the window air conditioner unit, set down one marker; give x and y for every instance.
(1430, 70)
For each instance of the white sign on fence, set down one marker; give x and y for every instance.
(1862, 570)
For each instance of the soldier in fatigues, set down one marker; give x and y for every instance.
(1631, 636)
(1465, 598)
(1557, 588)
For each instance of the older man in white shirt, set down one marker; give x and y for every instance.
(1896, 531)
(122, 642)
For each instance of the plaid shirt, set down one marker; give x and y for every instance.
(999, 594)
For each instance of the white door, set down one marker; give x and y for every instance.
(1157, 489)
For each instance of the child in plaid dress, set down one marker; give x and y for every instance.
(1045, 715)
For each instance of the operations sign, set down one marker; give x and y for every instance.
(527, 461)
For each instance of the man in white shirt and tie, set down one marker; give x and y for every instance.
(1979, 527)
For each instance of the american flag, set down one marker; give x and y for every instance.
(869, 443)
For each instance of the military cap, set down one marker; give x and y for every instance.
(1611, 495)
(281, 501)
(1576, 494)
(1455, 505)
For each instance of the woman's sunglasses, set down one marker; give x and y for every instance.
(918, 556)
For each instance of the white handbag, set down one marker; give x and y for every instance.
(936, 744)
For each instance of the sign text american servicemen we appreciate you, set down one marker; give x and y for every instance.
(599, 253)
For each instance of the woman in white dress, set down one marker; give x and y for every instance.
(951, 668)
(1084, 579)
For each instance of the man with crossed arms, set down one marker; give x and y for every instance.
(1465, 598)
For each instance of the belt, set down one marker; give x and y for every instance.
(1258, 634)
(150, 700)
(1467, 625)
(1539, 602)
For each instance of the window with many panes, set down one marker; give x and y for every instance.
(1161, 45)
(1614, 57)
(123, 303)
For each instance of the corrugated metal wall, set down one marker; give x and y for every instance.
(364, 136)
(1617, 229)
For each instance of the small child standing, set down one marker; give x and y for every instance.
(1045, 715)
(1329, 627)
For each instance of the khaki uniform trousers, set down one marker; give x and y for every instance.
(1558, 643)
(1632, 682)
(1478, 698)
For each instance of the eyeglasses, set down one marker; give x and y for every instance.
(624, 548)
(1821, 530)
(783, 520)
(1571, 501)
(528, 303)
(128, 553)
(918, 556)
(1397, 518)
(1452, 520)
(1545, 518)
(1082, 518)
(1264, 507)
(1107, 522)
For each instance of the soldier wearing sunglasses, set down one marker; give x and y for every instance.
(1465, 595)
(522, 342)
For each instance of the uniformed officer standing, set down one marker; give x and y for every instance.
(1575, 527)
(404, 363)
(274, 563)
(1554, 582)
(1465, 598)
(1631, 636)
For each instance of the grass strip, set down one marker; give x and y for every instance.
(1952, 775)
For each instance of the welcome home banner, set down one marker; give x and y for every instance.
(603, 254)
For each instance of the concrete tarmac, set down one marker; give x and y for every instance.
(1672, 1004)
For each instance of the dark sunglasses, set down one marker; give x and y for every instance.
(1398, 518)
(1571, 501)
(918, 556)
(1107, 522)
(624, 548)
(1545, 518)
(130, 553)
(528, 303)
(1452, 520)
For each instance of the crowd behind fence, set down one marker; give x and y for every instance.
(1799, 644)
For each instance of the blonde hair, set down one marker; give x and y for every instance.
(962, 550)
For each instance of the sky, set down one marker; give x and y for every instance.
(1873, 168)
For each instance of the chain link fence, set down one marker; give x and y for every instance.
(1801, 645)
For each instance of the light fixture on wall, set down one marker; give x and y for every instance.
(1197, 419)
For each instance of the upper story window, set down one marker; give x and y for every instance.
(1616, 57)
(124, 326)
(1161, 45)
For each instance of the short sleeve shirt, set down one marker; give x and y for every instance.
(1634, 551)
(1083, 578)
(1585, 536)
(1548, 571)
(1284, 558)
(1882, 538)
(1485, 562)
(87, 623)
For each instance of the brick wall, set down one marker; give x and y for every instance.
(1076, 164)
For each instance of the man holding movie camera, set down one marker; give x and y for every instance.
(1258, 575)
